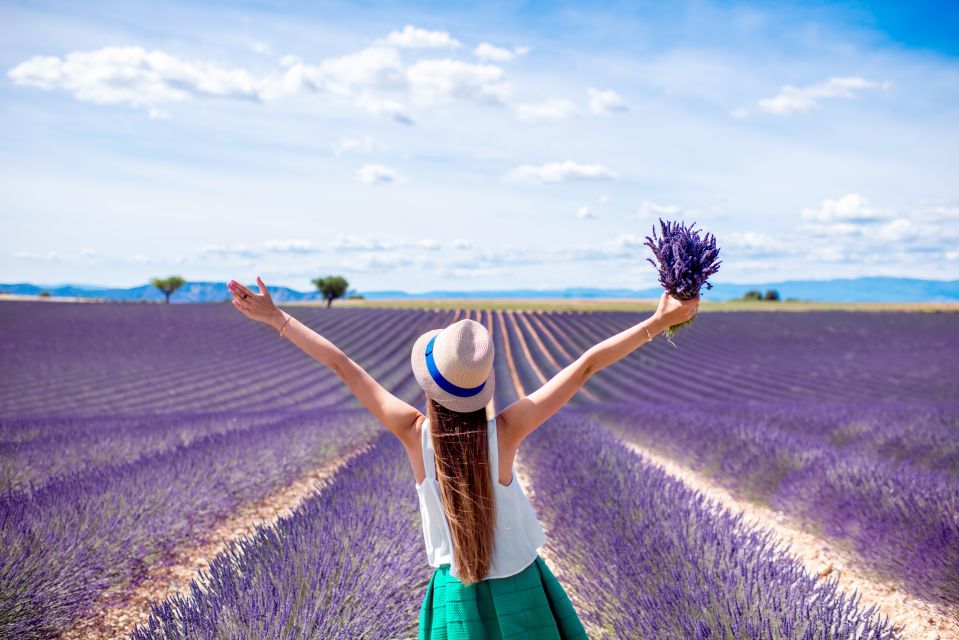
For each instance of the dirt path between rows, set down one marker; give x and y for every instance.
(915, 618)
(173, 577)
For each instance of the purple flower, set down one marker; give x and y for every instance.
(685, 261)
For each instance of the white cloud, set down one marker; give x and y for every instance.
(360, 145)
(241, 251)
(374, 67)
(443, 80)
(896, 229)
(549, 109)
(748, 239)
(141, 78)
(603, 199)
(262, 48)
(461, 243)
(585, 213)
(428, 244)
(848, 230)
(628, 241)
(378, 174)
(415, 38)
(374, 262)
(757, 244)
(359, 243)
(604, 103)
(134, 76)
(739, 114)
(475, 272)
(555, 172)
(291, 246)
(648, 209)
(792, 99)
(36, 256)
(939, 214)
(374, 79)
(488, 52)
(383, 106)
(851, 207)
(601, 103)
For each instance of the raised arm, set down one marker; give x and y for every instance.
(523, 416)
(396, 415)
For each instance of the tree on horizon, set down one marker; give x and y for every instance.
(168, 285)
(331, 287)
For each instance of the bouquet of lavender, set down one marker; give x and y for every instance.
(685, 262)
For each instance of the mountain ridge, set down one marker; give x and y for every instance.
(864, 289)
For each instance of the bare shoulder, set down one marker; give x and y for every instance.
(411, 438)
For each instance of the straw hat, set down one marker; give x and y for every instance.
(454, 366)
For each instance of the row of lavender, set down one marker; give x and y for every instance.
(136, 359)
(205, 379)
(35, 448)
(651, 558)
(825, 439)
(656, 559)
(347, 564)
(882, 478)
(812, 356)
(94, 500)
(123, 359)
(88, 533)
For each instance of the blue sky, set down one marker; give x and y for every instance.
(412, 146)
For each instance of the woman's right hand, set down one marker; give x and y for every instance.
(256, 306)
(672, 311)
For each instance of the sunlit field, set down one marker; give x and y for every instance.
(611, 304)
(130, 433)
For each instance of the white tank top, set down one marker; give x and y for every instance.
(519, 534)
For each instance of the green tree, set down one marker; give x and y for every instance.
(771, 294)
(753, 294)
(168, 285)
(331, 287)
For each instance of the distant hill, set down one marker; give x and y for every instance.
(190, 292)
(874, 289)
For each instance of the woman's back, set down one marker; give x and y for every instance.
(518, 535)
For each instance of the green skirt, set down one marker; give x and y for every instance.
(530, 605)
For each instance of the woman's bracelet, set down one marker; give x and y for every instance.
(647, 333)
(285, 322)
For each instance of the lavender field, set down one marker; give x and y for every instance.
(129, 431)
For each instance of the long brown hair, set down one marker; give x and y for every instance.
(461, 444)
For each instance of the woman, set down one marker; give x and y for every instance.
(481, 533)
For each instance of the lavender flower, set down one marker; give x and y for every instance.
(685, 262)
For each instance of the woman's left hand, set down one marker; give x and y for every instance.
(256, 306)
(672, 311)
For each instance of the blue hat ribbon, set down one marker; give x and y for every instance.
(443, 383)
